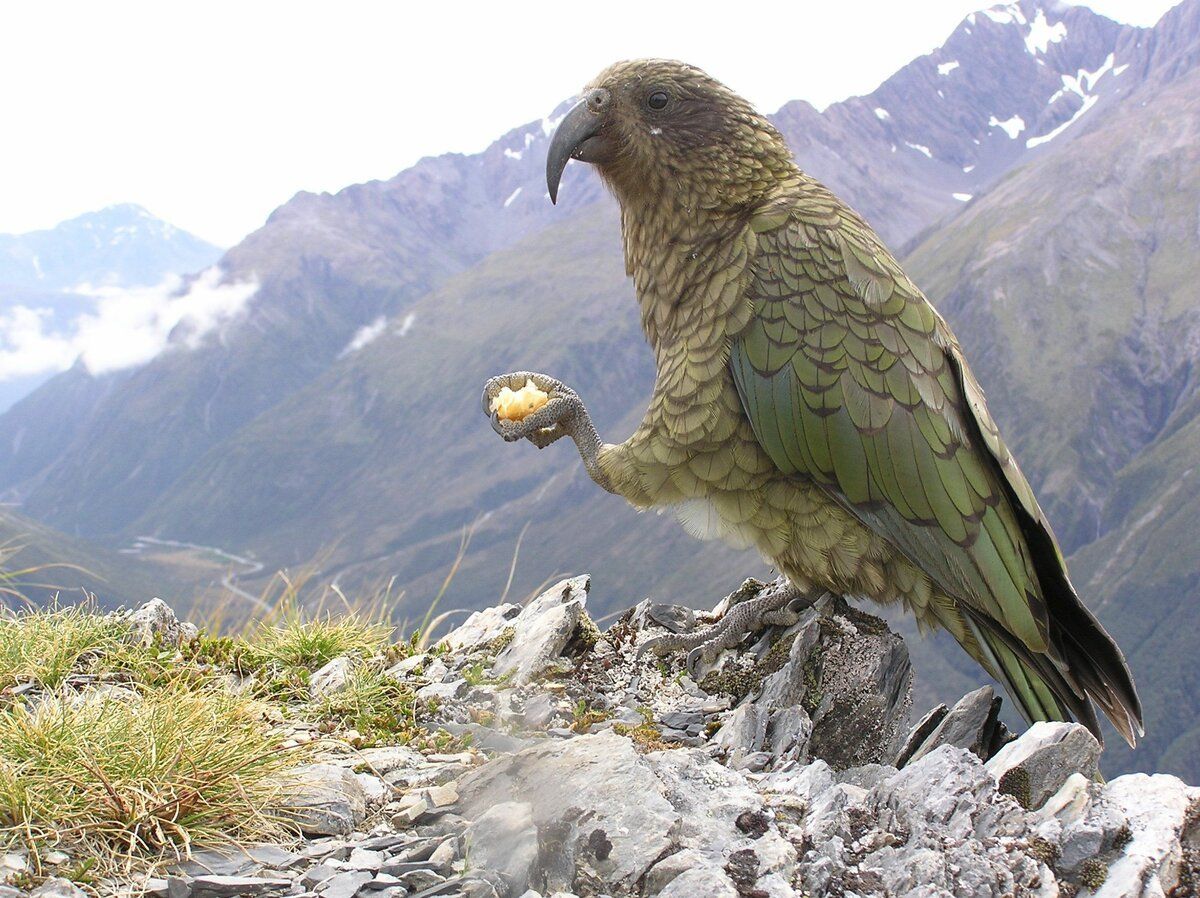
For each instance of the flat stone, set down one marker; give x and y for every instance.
(318, 874)
(481, 627)
(325, 800)
(344, 885)
(402, 668)
(701, 882)
(375, 790)
(410, 814)
(504, 839)
(441, 691)
(365, 859)
(422, 879)
(330, 678)
(274, 856)
(59, 888)
(212, 886)
(443, 795)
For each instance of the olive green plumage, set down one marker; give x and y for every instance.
(812, 403)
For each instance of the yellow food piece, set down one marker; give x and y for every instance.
(516, 405)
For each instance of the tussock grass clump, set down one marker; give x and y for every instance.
(145, 773)
(46, 645)
(298, 640)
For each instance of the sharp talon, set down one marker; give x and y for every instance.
(694, 658)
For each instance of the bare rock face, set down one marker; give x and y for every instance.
(1038, 763)
(541, 631)
(155, 623)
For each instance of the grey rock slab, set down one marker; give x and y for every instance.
(743, 733)
(542, 630)
(385, 759)
(942, 792)
(504, 839)
(405, 666)
(539, 710)
(593, 776)
(58, 888)
(669, 868)
(318, 874)
(701, 882)
(214, 886)
(441, 691)
(344, 885)
(324, 800)
(709, 798)
(481, 627)
(1036, 764)
(365, 859)
(973, 723)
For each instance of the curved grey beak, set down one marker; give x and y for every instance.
(579, 125)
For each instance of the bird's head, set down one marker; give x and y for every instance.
(652, 126)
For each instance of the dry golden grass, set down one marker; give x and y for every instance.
(138, 775)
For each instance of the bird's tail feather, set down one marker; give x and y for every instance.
(1035, 684)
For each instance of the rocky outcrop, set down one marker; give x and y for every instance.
(787, 771)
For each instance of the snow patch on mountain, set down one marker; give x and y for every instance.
(365, 335)
(945, 68)
(1011, 126)
(1042, 34)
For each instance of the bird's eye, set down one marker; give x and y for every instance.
(658, 100)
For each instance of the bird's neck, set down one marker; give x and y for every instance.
(680, 247)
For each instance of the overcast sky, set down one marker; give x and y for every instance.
(210, 114)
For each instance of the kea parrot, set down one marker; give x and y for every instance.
(810, 402)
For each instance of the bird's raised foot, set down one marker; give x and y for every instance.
(545, 425)
(778, 604)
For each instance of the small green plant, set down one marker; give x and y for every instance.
(298, 640)
(584, 717)
(379, 708)
(646, 735)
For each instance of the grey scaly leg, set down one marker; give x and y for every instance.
(771, 607)
(563, 416)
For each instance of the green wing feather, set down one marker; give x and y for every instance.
(851, 379)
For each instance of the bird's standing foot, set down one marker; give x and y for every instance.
(778, 604)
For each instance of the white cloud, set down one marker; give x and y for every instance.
(125, 328)
(26, 348)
